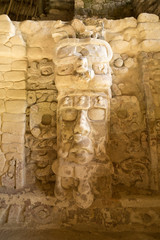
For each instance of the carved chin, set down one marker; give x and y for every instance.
(81, 156)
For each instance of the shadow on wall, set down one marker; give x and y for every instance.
(65, 10)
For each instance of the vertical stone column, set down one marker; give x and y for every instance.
(83, 80)
(13, 66)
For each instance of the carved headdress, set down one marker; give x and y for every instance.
(82, 64)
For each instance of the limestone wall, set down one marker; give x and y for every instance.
(28, 103)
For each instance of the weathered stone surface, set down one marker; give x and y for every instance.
(18, 51)
(12, 138)
(13, 148)
(119, 46)
(15, 106)
(30, 27)
(17, 40)
(5, 51)
(10, 117)
(2, 93)
(146, 17)
(16, 94)
(2, 107)
(97, 159)
(150, 45)
(119, 25)
(19, 85)
(19, 65)
(5, 67)
(14, 127)
(34, 53)
(14, 76)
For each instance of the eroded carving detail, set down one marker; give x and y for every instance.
(83, 114)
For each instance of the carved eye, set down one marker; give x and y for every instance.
(69, 114)
(96, 114)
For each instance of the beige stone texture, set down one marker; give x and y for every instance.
(119, 25)
(150, 45)
(18, 51)
(13, 148)
(15, 106)
(148, 26)
(17, 40)
(79, 149)
(12, 138)
(2, 107)
(14, 127)
(5, 67)
(14, 76)
(6, 84)
(7, 27)
(5, 60)
(19, 65)
(2, 93)
(5, 51)
(120, 46)
(153, 34)
(20, 85)
(30, 27)
(4, 38)
(11, 117)
(16, 94)
(34, 53)
(146, 17)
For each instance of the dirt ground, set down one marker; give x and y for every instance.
(26, 234)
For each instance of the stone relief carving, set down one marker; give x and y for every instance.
(83, 80)
(41, 124)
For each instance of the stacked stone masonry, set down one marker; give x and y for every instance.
(40, 65)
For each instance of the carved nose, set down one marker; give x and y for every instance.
(82, 126)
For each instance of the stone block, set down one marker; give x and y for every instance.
(11, 117)
(1, 77)
(30, 27)
(4, 17)
(12, 147)
(119, 25)
(5, 51)
(2, 107)
(152, 34)
(147, 17)
(16, 94)
(17, 40)
(12, 138)
(18, 51)
(7, 27)
(149, 26)
(17, 128)
(34, 53)
(16, 106)
(14, 76)
(4, 38)
(119, 46)
(5, 60)
(150, 46)
(5, 67)
(19, 65)
(19, 85)
(2, 93)
(6, 84)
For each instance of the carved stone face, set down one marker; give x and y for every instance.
(82, 123)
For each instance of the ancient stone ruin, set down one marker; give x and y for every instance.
(80, 124)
